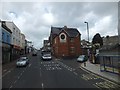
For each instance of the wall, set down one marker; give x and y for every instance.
(6, 36)
(15, 33)
(64, 49)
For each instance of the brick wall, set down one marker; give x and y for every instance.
(64, 49)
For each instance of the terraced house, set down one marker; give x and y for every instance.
(65, 42)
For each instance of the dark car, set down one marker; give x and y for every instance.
(22, 61)
(82, 58)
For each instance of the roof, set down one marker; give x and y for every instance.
(72, 32)
(5, 27)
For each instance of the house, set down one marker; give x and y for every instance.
(46, 45)
(110, 45)
(6, 43)
(65, 42)
(85, 45)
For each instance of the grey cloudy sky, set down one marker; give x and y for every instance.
(34, 19)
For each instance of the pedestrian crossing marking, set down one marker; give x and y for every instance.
(51, 66)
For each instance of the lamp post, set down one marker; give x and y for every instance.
(88, 37)
(87, 29)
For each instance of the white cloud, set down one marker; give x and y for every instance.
(48, 18)
(34, 19)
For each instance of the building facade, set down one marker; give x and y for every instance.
(15, 39)
(22, 43)
(65, 42)
(6, 43)
(110, 40)
(46, 45)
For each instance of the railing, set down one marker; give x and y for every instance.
(110, 63)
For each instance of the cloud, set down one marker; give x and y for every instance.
(34, 19)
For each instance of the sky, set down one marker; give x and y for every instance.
(35, 19)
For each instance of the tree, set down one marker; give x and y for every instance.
(97, 39)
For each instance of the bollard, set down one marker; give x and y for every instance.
(84, 64)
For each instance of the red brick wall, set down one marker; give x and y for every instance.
(61, 49)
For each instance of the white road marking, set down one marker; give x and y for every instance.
(7, 72)
(18, 77)
(42, 85)
(4, 70)
(75, 73)
(21, 74)
(29, 65)
(11, 86)
(15, 82)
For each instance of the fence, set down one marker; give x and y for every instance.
(110, 63)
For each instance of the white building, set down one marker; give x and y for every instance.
(22, 42)
(16, 34)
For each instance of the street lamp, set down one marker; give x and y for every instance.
(87, 30)
(88, 35)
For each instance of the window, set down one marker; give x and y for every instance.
(71, 39)
(8, 39)
(2, 36)
(72, 49)
(55, 40)
(62, 36)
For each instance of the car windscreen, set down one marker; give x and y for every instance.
(47, 54)
(23, 58)
(82, 56)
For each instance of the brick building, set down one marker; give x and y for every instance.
(65, 42)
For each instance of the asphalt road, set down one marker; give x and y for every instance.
(53, 74)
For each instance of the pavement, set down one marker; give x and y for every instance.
(95, 68)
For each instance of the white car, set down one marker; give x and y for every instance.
(23, 61)
(46, 57)
(82, 58)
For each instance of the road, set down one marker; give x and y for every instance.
(53, 74)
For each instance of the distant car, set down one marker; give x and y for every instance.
(22, 61)
(46, 57)
(82, 58)
(34, 53)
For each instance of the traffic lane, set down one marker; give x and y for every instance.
(70, 62)
(56, 76)
(31, 78)
(13, 75)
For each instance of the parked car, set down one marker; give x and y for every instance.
(82, 58)
(22, 61)
(46, 57)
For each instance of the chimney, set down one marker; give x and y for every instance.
(65, 27)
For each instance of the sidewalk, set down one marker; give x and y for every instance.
(95, 68)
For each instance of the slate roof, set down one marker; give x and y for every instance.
(72, 32)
